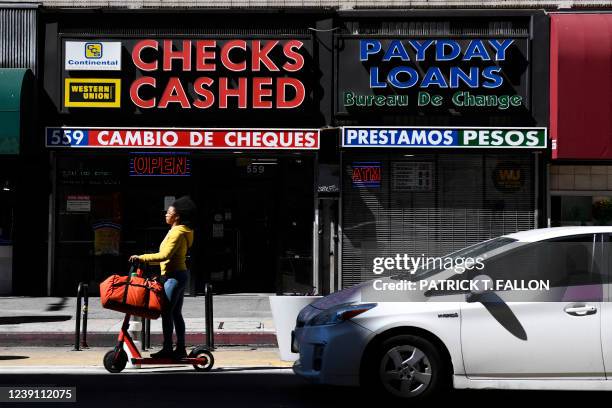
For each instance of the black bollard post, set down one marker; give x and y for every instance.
(148, 337)
(143, 333)
(85, 310)
(208, 305)
(77, 328)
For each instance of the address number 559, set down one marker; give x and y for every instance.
(66, 137)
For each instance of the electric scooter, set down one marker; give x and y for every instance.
(116, 359)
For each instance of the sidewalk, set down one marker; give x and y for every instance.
(50, 321)
(40, 358)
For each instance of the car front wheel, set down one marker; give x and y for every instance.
(407, 367)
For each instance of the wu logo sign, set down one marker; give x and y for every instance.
(93, 50)
(509, 177)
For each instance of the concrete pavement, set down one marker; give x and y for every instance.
(50, 321)
(50, 359)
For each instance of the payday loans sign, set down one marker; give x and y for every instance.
(515, 138)
(433, 74)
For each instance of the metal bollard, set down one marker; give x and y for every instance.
(85, 311)
(80, 309)
(143, 333)
(208, 318)
(148, 337)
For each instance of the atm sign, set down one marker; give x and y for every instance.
(366, 174)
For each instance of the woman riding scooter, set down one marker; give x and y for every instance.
(174, 274)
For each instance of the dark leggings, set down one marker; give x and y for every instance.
(172, 317)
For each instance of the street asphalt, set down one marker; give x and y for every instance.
(242, 377)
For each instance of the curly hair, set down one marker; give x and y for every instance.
(186, 210)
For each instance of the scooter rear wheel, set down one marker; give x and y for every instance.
(115, 362)
(202, 352)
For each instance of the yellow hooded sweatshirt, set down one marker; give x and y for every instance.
(172, 250)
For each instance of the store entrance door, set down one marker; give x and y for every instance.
(256, 226)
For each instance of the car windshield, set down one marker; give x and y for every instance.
(472, 251)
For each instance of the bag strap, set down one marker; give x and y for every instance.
(147, 294)
(127, 286)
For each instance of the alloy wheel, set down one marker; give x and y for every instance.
(405, 371)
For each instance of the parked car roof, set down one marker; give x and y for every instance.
(555, 232)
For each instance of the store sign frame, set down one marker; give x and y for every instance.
(182, 138)
(445, 137)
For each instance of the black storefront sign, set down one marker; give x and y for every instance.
(202, 78)
(460, 76)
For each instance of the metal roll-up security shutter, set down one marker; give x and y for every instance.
(18, 38)
(467, 198)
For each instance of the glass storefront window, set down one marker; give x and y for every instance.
(580, 195)
(577, 210)
(253, 232)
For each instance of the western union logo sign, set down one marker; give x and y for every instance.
(92, 93)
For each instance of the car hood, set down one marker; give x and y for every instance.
(348, 295)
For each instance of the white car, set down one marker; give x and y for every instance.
(549, 327)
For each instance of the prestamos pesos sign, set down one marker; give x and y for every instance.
(158, 138)
(425, 137)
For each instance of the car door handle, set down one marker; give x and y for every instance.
(580, 310)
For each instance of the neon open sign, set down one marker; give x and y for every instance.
(160, 164)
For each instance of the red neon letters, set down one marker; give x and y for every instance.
(223, 92)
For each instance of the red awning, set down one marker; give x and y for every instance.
(581, 86)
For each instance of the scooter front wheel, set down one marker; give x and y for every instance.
(115, 361)
(202, 352)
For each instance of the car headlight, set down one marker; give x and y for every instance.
(339, 313)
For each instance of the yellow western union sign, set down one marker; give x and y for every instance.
(92, 93)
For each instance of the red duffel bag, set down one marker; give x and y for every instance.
(134, 295)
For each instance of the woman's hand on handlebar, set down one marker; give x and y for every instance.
(134, 258)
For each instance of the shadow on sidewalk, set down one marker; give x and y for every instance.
(3, 358)
(54, 307)
(33, 319)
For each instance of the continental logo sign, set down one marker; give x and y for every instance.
(92, 93)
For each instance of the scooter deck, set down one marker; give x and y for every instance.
(186, 360)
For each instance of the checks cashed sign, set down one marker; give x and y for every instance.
(437, 137)
(194, 138)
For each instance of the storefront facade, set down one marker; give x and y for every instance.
(312, 143)
(228, 113)
(444, 122)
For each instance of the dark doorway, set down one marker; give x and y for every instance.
(256, 224)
